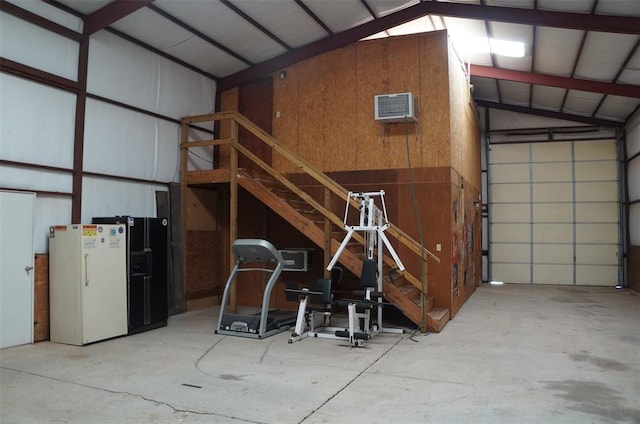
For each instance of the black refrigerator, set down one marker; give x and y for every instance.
(147, 271)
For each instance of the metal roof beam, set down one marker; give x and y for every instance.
(110, 13)
(582, 21)
(624, 90)
(570, 20)
(549, 114)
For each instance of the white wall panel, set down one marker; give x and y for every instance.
(49, 211)
(152, 82)
(183, 92)
(122, 142)
(37, 123)
(51, 13)
(107, 197)
(37, 47)
(31, 179)
(511, 252)
(596, 254)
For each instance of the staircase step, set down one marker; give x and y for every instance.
(438, 318)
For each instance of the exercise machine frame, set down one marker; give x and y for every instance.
(251, 251)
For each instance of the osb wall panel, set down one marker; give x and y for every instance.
(324, 107)
(203, 277)
(41, 298)
(465, 129)
(259, 112)
(202, 209)
(229, 101)
(385, 66)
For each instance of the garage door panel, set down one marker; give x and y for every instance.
(553, 274)
(597, 212)
(551, 152)
(596, 171)
(597, 275)
(590, 150)
(510, 153)
(606, 191)
(597, 254)
(553, 233)
(552, 212)
(511, 273)
(597, 233)
(552, 192)
(510, 173)
(511, 212)
(510, 233)
(501, 193)
(559, 254)
(552, 172)
(511, 252)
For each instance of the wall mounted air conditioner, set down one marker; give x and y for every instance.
(397, 107)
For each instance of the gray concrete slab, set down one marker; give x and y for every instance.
(513, 354)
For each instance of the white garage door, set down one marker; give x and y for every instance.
(554, 213)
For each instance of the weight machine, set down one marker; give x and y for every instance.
(372, 223)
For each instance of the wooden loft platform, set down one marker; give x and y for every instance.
(211, 176)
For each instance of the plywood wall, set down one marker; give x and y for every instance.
(205, 271)
(324, 106)
(465, 128)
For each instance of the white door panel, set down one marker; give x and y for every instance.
(16, 268)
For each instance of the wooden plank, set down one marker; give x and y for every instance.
(41, 298)
(233, 210)
(210, 142)
(210, 176)
(437, 319)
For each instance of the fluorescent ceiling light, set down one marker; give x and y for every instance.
(467, 46)
(507, 48)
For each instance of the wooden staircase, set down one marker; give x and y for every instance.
(313, 217)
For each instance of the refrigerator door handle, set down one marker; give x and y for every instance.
(86, 269)
(149, 258)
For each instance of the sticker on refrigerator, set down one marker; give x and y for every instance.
(89, 242)
(89, 231)
(114, 242)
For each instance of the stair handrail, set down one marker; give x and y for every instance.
(310, 170)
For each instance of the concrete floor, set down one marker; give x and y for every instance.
(513, 354)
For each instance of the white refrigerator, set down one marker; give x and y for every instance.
(87, 283)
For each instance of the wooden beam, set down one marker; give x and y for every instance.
(624, 90)
(111, 13)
